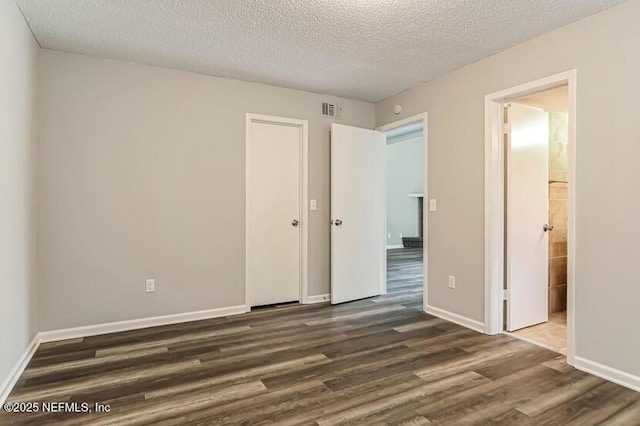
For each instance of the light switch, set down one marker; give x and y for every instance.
(432, 205)
(452, 281)
(313, 205)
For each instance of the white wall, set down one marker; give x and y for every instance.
(404, 176)
(604, 50)
(18, 54)
(142, 175)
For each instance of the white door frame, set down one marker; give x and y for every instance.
(494, 200)
(423, 118)
(303, 126)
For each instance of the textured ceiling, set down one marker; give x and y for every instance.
(360, 49)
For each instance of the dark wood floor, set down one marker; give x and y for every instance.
(374, 361)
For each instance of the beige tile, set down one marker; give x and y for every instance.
(558, 141)
(552, 333)
(559, 318)
(558, 299)
(558, 242)
(558, 191)
(558, 128)
(557, 174)
(558, 157)
(558, 332)
(557, 271)
(557, 249)
(558, 213)
(527, 332)
(558, 235)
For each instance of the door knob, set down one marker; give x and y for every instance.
(295, 222)
(338, 222)
(547, 227)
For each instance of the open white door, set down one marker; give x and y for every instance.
(527, 251)
(358, 213)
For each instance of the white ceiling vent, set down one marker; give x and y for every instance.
(331, 110)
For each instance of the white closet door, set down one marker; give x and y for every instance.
(273, 252)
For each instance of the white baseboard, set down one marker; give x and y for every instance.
(608, 373)
(114, 327)
(319, 298)
(7, 385)
(395, 246)
(455, 318)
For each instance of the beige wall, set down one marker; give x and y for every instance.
(604, 49)
(18, 61)
(142, 176)
(558, 209)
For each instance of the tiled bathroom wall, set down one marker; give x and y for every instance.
(558, 208)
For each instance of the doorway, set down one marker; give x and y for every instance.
(536, 192)
(276, 214)
(406, 224)
(405, 210)
(530, 211)
(359, 236)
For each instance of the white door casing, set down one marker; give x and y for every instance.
(527, 250)
(274, 188)
(358, 213)
(495, 200)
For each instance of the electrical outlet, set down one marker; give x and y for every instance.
(150, 286)
(389, 235)
(452, 281)
(401, 235)
(433, 205)
(313, 205)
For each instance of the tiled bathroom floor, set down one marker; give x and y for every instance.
(552, 333)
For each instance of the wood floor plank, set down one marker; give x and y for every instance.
(291, 365)
(175, 406)
(394, 399)
(608, 397)
(50, 392)
(469, 397)
(349, 398)
(560, 396)
(510, 365)
(419, 324)
(88, 362)
(397, 366)
(264, 407)
(133, 347)
(43, 361)
(407, 412)
(467, 362)
(629, 415)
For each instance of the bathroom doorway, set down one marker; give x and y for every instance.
(530, 212)
(536, 217)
